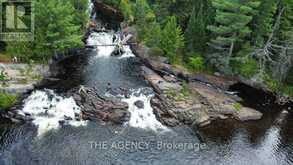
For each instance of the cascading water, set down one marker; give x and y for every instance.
(140, 118)
(49, 111)
(268, 141)
(105, 44)
(143, 118)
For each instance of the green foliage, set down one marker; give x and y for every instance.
(7, 100)
(231, 26)
(263, 21)
(196, 33)
(3, 76)
(196, 63)
(185, 90)
(172, 39)
(247, 67)
(237, 107)
(153, 35)
(288, 90)
(58, 26)
(156, 51)
(126, 7)
(162, 10)
(114, 3)
(272, 84)
(81, 15)
(144, 17)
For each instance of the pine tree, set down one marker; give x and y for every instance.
(172, 39)
(144, 16)
(57, 28)
(153, 38)
(263, 21)
(231, 26)
(127, 10)
(162, 10)
(196, 34)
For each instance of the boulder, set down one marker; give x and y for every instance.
(139, 104)
(95, 107)
(245, 114)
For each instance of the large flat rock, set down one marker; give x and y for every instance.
(223, 105)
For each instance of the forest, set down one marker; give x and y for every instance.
(251, 39)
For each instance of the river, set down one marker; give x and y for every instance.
(143, 140)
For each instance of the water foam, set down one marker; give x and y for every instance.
(143, 118)
(49, 110)
(106, 45)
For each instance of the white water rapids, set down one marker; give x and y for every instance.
(50, 111)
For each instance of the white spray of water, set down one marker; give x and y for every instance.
(105, 45)
(140, 118)
(143, 118)
(49, 109)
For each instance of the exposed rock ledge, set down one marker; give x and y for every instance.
(205, 101)
(93, 107)
(21, 78)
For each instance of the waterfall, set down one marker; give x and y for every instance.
(143, 118)
(140, 118)
(105, 44)
(49, 111)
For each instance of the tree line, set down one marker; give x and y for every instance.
(252, 39)
(59, 25)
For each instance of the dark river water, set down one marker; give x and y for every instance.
(265, 142)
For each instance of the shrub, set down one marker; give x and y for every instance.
(237, 106)
(184, 91)
(272, 84)
(3, 75)
(7, 100)
(172, 39)
(196, 63)
(288, 90)
(249, 68)
(156, 51)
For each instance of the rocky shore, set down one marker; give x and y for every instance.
(21, 78)
(192, 99)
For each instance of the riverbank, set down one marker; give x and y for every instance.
(21, 78)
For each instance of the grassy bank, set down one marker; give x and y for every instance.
(7, 100)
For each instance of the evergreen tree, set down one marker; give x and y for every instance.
(162, 10)
(127, 10)
(81, 15)
(144, 16)
(57, 28)
(231, 26)
(263, 21)
(172, 39)
(154, 35)
(196, 34)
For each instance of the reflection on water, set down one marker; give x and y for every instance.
(73, 144)
(268, 141)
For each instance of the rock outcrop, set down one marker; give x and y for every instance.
(95, 107)
(109, 15)
(21, 78)
(198, 102)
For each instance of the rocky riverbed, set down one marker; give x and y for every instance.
(192, 99)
